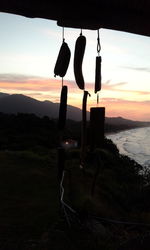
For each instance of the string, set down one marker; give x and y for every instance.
(62, 81)
(63, 38)
(81, 32)
(97, 99)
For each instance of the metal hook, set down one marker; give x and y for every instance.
(98, 42)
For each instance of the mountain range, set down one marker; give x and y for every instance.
(18, 103)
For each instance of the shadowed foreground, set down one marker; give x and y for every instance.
(110, 197)
(30, 215)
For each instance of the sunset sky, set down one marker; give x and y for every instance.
(29, 49)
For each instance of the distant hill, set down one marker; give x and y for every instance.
(17, 103)
(3, 94)
(122, 121)
(115, 124)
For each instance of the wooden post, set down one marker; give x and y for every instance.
(84, 128)
(63, 108)
(97, 119)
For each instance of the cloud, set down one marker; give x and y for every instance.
(28, 82)
(21, 82)
(116, 100)
(109, 84)
(115, 87)
(18, 78)
(144, 69)
(135, 110)
(49, 89)
(112, 86)
(138, 92)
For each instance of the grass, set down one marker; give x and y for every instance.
(28, 190)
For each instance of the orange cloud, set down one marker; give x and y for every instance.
(26, 83)
(128, 109)
(49, 89)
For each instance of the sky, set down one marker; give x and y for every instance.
(28, 53)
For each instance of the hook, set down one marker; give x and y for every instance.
(98, 42)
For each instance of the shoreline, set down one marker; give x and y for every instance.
(125, 129)
(136, 149)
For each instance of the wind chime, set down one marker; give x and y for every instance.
(97, 114)
(60, 69)
(98, 68)
(78, 60)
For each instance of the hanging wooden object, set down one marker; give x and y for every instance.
(63, 59)
(97, 120)
(63, 108)
(78, 60)
(84, 128)
(98, 74)
(98, 77)
(60, 70)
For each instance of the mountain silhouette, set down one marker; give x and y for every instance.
(18, 103)
(3, 94)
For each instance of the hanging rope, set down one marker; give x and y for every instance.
(97, 99)
(63, 40)
(62, 81)
(63, 36)
(70, 214)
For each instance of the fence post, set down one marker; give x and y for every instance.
(97, 120)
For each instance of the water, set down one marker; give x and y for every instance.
(134, 143)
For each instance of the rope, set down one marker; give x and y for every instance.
(64, 204)
(121, 222)
(63, 36)
(62, 81)
(63, 40)
(97, 99)
(102, 219)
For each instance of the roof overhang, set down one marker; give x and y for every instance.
(130, 15)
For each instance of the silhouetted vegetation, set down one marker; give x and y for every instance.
(111, 186)
(25, 131)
